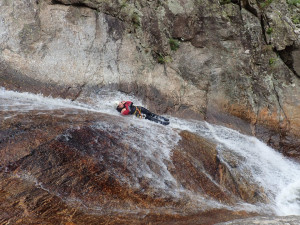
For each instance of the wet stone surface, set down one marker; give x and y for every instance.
(60, 167)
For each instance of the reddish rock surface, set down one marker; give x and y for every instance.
(59, 168)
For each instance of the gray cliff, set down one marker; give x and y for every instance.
(230, 62)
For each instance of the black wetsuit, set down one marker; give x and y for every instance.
(139, 110)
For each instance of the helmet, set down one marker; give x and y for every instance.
(116, 103)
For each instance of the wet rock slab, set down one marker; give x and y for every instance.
(199, 168)
(59, 167)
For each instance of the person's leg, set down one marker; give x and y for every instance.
(145, 111)
(150, 114)
(156, 120)
(161, 117)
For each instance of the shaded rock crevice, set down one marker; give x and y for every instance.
(281, 121)
(287, 57)
(206, 96)
(75, 3)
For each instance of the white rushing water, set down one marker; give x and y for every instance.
(278, 175)
(262, 165)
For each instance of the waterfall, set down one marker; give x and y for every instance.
(278, 175)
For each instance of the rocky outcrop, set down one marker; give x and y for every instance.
(235, 64)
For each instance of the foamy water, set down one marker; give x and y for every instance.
(278, 175)
(154, 144)
(260, 164)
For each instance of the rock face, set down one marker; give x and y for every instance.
(235, 64)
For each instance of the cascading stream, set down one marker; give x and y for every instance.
(278, 175)
(259, 163)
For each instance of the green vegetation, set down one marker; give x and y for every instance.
(264, 3)
(272, 61)
(135, 19)
(293, 2)
(296, 19)
(223, 2)
(161, 59)
(174, 44)
(124, 4)
(269, 30)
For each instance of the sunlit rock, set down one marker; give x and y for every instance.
(75, 167)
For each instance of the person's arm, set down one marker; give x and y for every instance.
(126, 110)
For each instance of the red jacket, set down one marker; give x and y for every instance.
(127, 106)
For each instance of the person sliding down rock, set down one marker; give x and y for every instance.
(127, 108)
